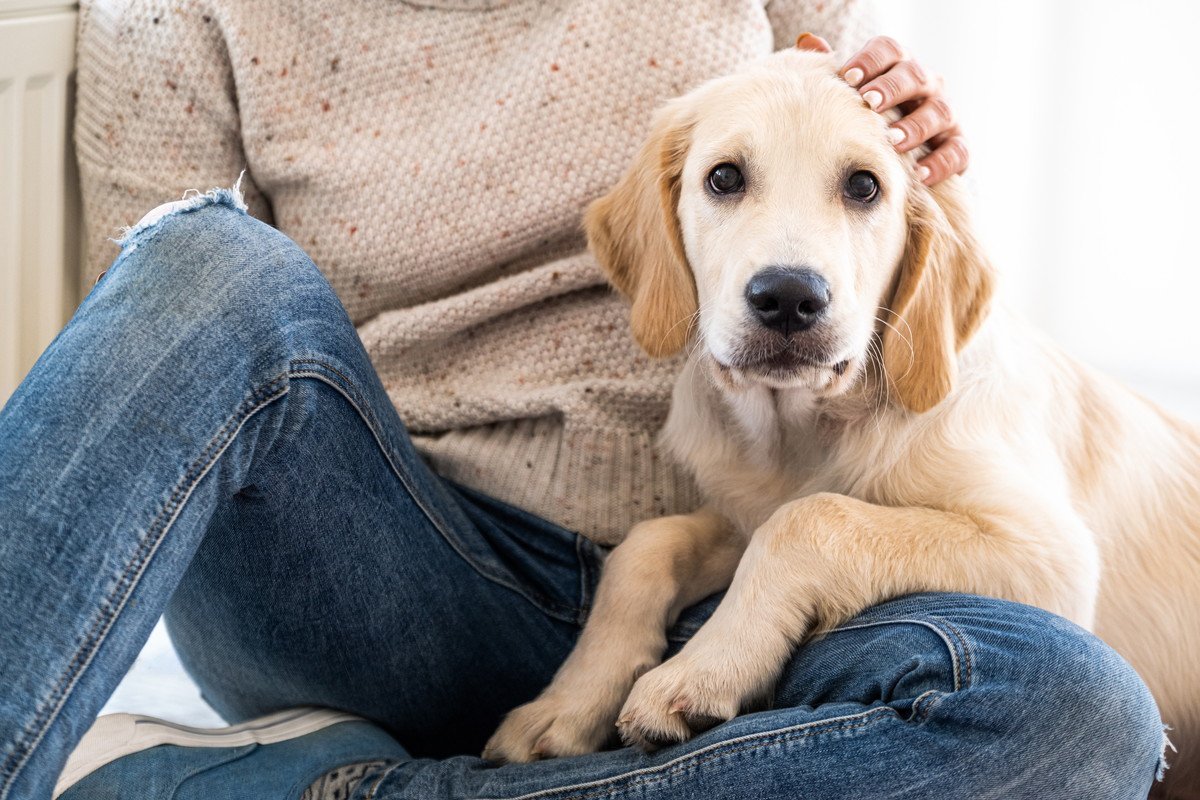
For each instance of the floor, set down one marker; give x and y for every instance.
(158, 686)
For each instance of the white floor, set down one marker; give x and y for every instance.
(158, 686)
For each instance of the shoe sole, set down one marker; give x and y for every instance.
(118, 735)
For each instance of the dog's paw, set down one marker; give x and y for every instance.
(679, 699)
(552, 726)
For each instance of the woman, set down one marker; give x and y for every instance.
(217, 433)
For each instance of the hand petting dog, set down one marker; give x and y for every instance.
(887, 78)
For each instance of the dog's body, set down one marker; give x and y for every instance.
(1099, 491)
(846, 455)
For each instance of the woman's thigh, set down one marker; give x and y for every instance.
(347, 574)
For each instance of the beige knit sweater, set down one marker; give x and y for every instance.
(434, 158)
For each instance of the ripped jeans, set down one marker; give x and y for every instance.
(207, 438)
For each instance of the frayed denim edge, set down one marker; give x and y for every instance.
(149, 225)
(1163, 766)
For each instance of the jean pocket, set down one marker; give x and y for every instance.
(552, 567)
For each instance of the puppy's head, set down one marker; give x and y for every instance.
(768, 217)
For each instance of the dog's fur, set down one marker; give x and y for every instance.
(915, 440)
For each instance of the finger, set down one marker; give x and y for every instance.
(931, 118)
(877, 57)
(941, 138)
(810, 41)
(949, 158)
(906, 81)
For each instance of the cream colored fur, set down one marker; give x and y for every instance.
(951, 448)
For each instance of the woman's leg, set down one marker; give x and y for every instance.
(211, 395)
(928, 696)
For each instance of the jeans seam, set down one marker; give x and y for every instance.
(925, 703)
(349, 392)
(717, 750)
(585, 582)
(110, 609)
(944, 630)
(965, 645)
(370, 795)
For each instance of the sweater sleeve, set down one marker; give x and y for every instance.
(845, 24)
(156, 114)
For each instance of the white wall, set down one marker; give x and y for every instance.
(39, 207)
(1083, 125)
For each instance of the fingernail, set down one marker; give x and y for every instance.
(854, 76)
(873, 98)
(922, 174)
(802, 37)
(896, 135)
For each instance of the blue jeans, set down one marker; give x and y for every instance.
(207, 438)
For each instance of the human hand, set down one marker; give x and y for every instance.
(887, 77)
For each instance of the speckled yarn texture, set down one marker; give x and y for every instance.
(434, 159)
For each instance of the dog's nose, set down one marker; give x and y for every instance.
(787, 299)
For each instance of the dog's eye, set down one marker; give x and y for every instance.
(726, 179)
(862, 186)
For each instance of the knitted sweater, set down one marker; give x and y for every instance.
(433, 158)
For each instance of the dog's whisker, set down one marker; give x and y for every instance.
(882, 391)
(912, 353)
(899, 318)
(688, 320)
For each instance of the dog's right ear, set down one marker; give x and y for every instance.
(634, 233)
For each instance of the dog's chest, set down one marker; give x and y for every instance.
(780, 447)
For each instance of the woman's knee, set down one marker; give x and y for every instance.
(1059, 703)
(1066, 708)
(1087, 712)
(207, 257)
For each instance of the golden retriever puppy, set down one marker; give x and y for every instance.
(861, 423)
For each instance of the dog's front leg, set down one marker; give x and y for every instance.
(663, 566)
(820, 560)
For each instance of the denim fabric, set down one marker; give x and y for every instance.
(207, 438)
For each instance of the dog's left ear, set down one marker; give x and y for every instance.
(942, 294)
(634, 232)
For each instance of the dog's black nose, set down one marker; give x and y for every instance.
(786, 299)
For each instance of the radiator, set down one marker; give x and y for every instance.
(39, 204)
